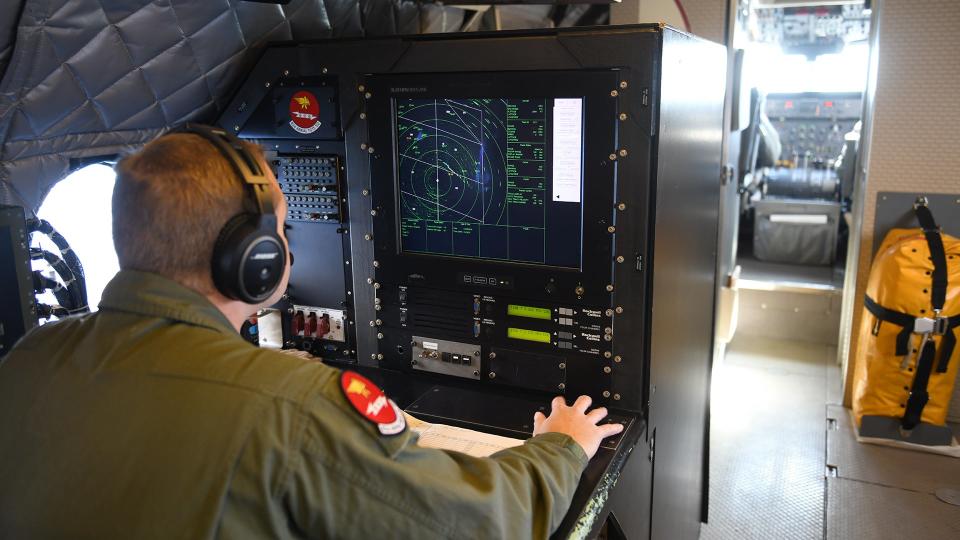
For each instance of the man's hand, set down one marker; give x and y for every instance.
(576, 422)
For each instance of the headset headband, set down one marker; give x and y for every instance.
(246, 165)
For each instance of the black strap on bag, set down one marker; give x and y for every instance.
(906, 322)
(892, 316)
(918, 390)
(938, 290)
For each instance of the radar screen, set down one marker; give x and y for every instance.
(491, 178)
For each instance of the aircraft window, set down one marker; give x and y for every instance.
(767, 68)
(78, 207)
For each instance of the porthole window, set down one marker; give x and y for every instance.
(78, 207)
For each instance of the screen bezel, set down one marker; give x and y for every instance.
(598, 174)
(396, 167)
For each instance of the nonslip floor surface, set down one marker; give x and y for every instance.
(780, 470)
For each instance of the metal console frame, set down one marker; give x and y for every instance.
(667, 163)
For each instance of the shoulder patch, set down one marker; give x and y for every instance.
(370, 401)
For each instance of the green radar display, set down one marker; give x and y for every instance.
(475, 179)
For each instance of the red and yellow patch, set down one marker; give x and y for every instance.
(370, 401)
(304, 112)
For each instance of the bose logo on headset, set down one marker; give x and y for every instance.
(248, 256)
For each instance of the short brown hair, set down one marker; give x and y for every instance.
(170, 201)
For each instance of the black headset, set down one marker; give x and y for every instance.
(249, 257)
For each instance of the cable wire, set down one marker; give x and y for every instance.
(683, 15)
(77, 303)
(66, 252)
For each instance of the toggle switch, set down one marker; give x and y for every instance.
(311, 328)
(324, 325)
(298, 323)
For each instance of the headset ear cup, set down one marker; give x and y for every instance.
(227, 252)
(249, 258)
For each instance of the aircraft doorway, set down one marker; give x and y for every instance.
(802, 74)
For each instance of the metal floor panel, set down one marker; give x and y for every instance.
(767, 440)
(857, 510)
(770, 446)
(892, 467)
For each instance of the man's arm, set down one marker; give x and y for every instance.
(350, 481)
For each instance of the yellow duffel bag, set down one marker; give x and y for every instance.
(907, 358)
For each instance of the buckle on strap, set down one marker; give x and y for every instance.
(925, 325)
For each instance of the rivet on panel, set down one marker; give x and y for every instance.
(619, 309)
(611, 229)
(614, 93)
(616, 397)
(606, 393)
(606, 369)
(620, 258)
(609, 288)
(618, 359)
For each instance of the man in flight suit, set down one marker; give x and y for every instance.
(153, 418)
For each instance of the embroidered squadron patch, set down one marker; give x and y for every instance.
(372, 403)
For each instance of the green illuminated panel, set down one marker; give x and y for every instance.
(528, 311)
(528, 335)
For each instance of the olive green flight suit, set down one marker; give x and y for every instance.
(153, 418)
